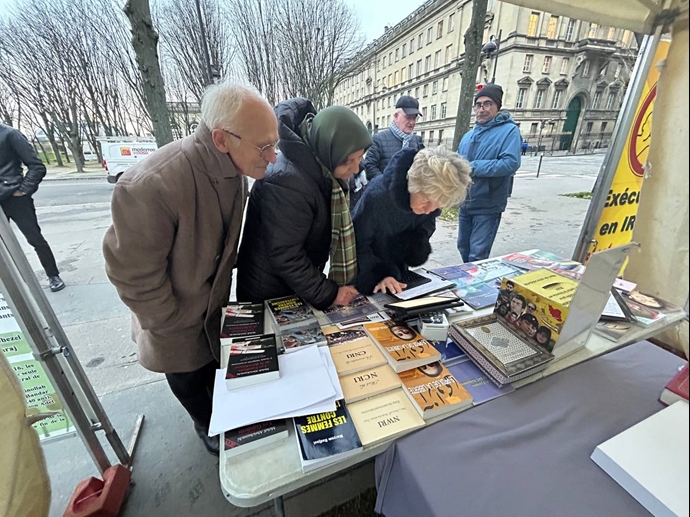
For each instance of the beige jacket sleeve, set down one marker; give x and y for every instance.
(136, 249)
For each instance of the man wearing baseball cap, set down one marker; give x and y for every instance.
(492, 147)
(398, 136)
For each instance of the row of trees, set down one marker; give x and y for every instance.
(69, 67)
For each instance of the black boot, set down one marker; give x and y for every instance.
(56, 283)
(212, 444)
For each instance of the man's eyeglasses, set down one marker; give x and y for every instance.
(486, 105)
(263, 151)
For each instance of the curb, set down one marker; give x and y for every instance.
(75, 177)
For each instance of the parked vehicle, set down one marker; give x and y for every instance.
(122, 152)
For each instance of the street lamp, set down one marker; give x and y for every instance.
(490, 49)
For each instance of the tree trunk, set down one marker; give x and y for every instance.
(145, 44)
(470, 65)
(45, 155)
(50, 134)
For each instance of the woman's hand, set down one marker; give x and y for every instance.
(345, 295)
(389, 285)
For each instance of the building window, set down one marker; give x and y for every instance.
(420, 41)
(412, 46)
(389, 102)
(570, 30)
(444, 109)
(388, 120)
(434, 88)
(539, 99)
(395, 78)
(533, 128)
(440, 136)
(588, 128)
(404, 50)
(422, 135)
(585, 68)
(521, 98)
(431, 136)
(612, 34)
(384, 61)
(556, 103)
(527, 65)
(410, 71)
(433, 112)
(593, 27)
(533, 26)
(439, 30)
(403, 75)
(429, 35)
(627, 38)
(425, 90)
(565, 63)
(451, 23)
(390, 80)
(424, 112)
(444, 86)
(546, 67)
(437, 59)
(611, 101)
(416, 92)
(603, 127)
(427, 63)
(397, 55)
(596, 100)
(550, 128)
(419, 68)
(390, 58)
(552, 31)
(449, 54)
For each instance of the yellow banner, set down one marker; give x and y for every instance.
(618, 216)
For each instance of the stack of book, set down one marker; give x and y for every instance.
(294, 322)
(251, 360)
(241, 319)
(252, 437)
(402, 346)
(677, 388)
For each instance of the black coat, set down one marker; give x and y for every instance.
(390, 236)
(287, 233)
(15, 150)
(385, 145)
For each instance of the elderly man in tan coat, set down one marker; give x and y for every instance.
(171, 249)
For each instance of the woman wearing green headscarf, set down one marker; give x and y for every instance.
(298, 217)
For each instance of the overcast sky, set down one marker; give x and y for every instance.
(374, 15)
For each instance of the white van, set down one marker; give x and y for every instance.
(121, 152)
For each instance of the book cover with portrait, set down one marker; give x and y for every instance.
(404, 348)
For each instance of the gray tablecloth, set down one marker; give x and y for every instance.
(528, 453)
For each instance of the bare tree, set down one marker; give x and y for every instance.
(145, 43)
(473, 48)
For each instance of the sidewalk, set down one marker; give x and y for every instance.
(92, 171)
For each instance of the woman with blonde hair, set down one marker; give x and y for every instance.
(396, 216)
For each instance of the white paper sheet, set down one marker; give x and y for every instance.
(304, 382)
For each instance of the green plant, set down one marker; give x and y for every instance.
(449, 214)
(579, 195)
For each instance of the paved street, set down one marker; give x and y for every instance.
(75, 214)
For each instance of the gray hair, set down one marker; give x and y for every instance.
(440, 175)
(222, 101)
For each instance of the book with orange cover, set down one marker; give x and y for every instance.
(434, 391)
(404, 348)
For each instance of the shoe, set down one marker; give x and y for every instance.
(212, 443)
(56, 283)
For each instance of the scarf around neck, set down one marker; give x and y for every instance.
(401, 135)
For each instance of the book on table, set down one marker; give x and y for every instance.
(289, 312)
(450, 352)
(359, 307)
(355, 355)
(434, 391)
(251, 360)
(326, 438)
(240, 319)
(402, 346)
(477, 383)
(422, 283)
(384, 417)
(650, 461)
(251, 437)
(369, 383)
(304, 335)
(677, 388)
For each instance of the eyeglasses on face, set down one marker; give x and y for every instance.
(486, 105)
(263, 151)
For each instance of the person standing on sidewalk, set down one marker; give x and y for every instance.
(171, 249)
(16, 189)
(493, 149)
(398, 136)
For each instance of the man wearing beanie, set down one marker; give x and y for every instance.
(493, 149)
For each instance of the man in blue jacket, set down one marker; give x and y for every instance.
(493, 149)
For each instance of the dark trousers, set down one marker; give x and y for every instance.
(476, 235)
(22, 211)
(194, 390)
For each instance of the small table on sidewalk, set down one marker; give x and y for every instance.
(269, 473)
(528, 453)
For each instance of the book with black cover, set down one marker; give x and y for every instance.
(242, 319)
(325, 438)
(251, 437)
(289, 312)
(251, 361)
